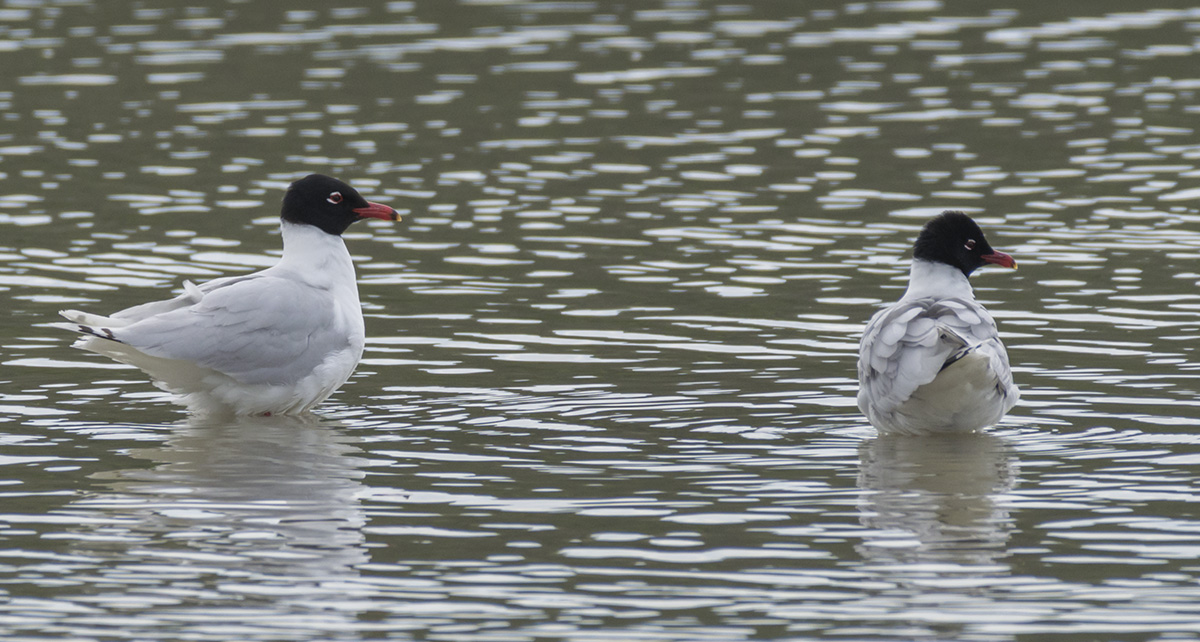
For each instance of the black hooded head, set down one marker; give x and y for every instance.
(329, 204)
(954, 239)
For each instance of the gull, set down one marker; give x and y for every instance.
(275, 342)
(933, 362)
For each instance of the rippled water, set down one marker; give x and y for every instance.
(609, 382)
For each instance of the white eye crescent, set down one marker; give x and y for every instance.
(336, 197)
(970, 244)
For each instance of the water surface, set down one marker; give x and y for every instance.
(609, 381)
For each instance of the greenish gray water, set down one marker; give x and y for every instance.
(609, 382)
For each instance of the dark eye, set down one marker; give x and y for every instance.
(336, 197)
(970, 244)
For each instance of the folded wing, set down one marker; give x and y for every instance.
(254, 329)
(906, 345)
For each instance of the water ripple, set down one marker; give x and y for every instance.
(612, 345)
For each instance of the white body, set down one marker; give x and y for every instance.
(933, 362)
(278, 341)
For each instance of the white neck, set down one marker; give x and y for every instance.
(319, 258)
(937, 280)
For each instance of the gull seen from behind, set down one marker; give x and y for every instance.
(933, 362)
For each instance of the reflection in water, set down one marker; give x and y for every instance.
(270, 502)
(935, 529)
(933, 499)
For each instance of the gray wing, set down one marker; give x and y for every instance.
(256, 329)
(191, 295)
(907, 344)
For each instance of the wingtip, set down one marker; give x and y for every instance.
(80, 328)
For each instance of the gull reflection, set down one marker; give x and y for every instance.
(935, 498)
(260, 501)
